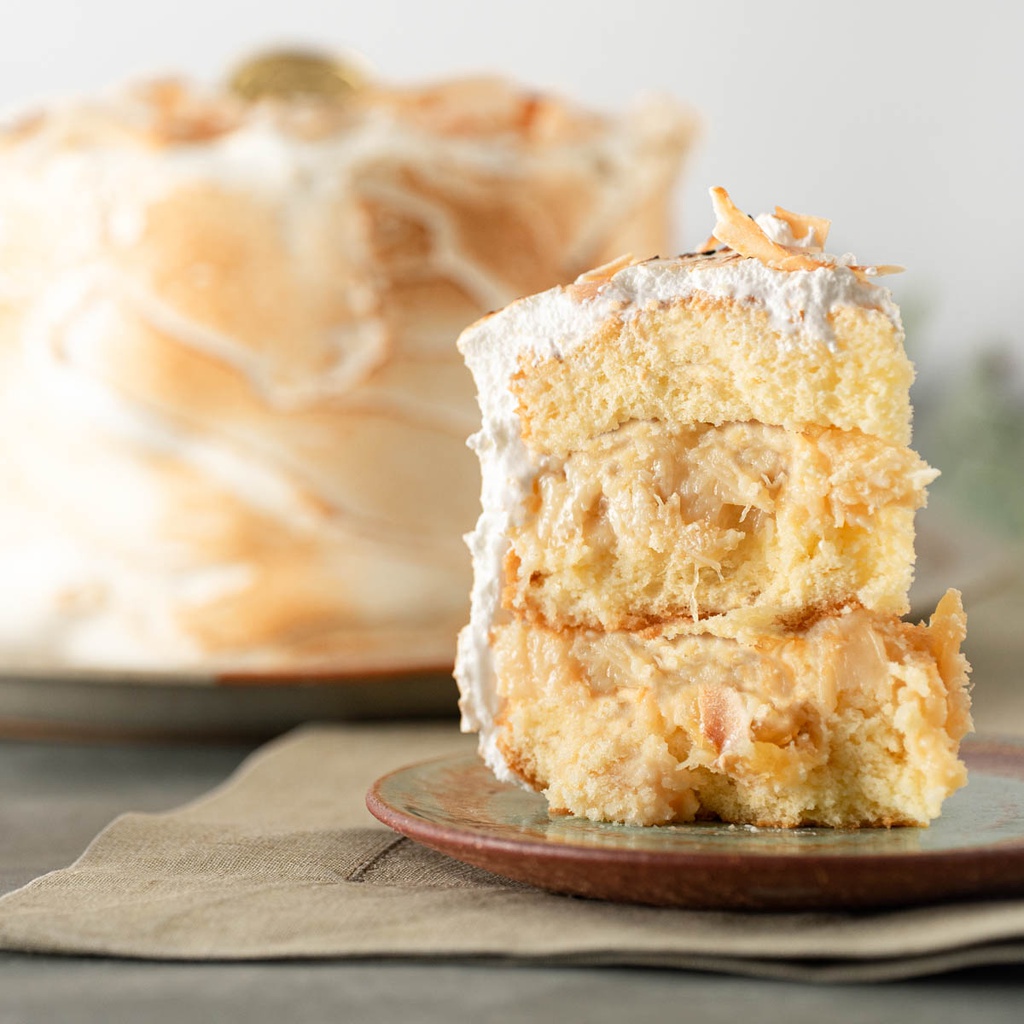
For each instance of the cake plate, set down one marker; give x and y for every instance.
(975, 850)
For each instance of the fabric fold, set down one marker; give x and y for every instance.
(283, 862)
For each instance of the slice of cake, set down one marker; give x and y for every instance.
(232, 414)
(697, 540)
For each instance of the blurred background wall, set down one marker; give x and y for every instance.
(901, 121)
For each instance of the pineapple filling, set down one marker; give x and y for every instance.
(854, 720)
(647, 524)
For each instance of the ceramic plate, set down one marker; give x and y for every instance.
(976, 849)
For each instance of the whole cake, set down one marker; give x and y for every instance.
(697, 541)
(232, 415)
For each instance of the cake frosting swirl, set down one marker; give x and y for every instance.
(232, 414)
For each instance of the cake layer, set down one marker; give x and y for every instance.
(707, 359)
(854, 721)
(651, 522)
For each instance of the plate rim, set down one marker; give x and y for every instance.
(987, 751)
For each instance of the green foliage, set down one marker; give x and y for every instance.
(973, 430)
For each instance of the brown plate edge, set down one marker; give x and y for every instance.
(721, 882)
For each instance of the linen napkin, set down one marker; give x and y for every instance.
(283, 861)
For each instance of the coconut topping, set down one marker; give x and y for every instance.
(753, 238)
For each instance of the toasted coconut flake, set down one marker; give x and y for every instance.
(802, 225)
(608, 270)
(588, 284)
(866, 273)
(746, 238)
(736, 230)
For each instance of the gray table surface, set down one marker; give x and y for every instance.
(54, 797)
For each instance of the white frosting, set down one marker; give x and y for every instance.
(798, 303)
(90, 576)
(553, 324)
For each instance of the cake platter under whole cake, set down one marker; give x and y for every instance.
(974, 850)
